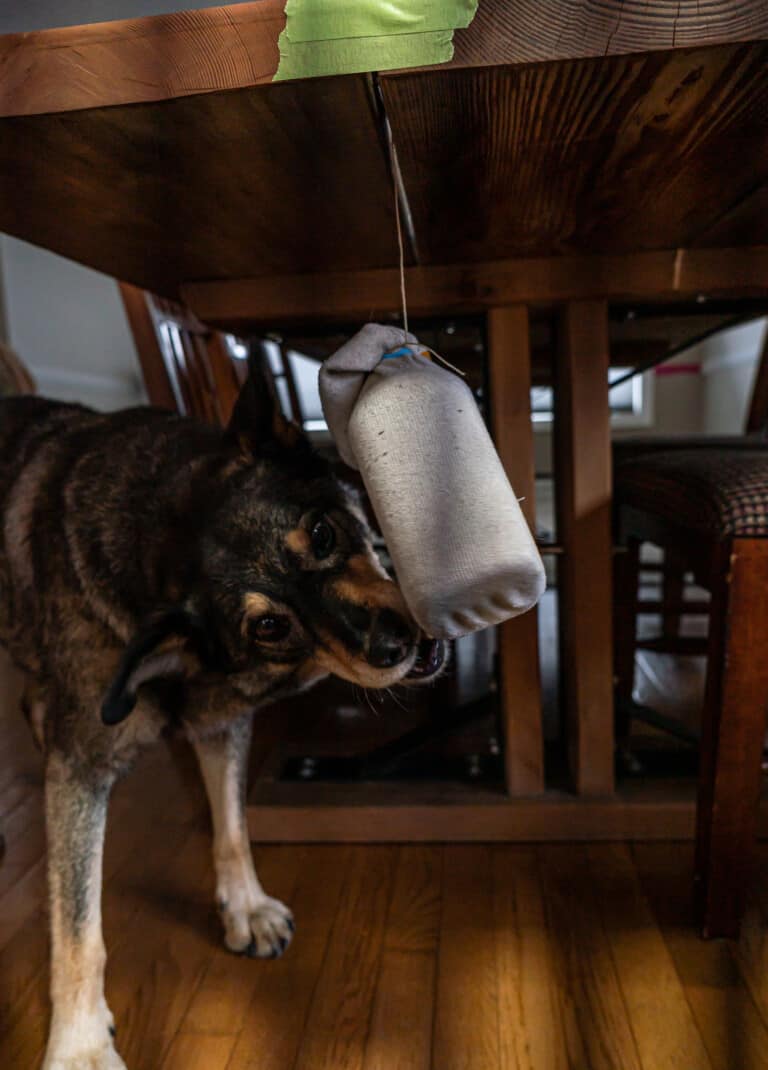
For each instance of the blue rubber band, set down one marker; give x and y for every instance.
(403, 351)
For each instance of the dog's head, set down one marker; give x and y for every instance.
(286, 586)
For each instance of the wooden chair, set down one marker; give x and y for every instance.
(187, 366)
(671, 604)
(709, 508)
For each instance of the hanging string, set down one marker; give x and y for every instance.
(397, 185)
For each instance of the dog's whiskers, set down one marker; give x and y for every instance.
(374, 711)
(395, 699)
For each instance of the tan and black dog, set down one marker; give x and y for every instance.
(156, 572)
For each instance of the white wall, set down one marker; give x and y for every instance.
(68, 325)
(728, 364)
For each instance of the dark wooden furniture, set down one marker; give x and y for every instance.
(187, 367)
(709, 507)
(673, 586)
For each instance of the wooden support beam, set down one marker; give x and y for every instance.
(509, 365)
(583, 492)
(414, 812)
(671, 274)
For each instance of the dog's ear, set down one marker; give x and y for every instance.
(258, 421)
(152, 654)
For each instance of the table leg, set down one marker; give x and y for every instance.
(583, 489)
(509, 360)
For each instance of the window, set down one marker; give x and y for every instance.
(630, 400)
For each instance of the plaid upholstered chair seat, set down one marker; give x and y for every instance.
(720, 492)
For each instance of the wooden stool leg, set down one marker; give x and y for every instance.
(733, 734)
(673, 590)
(626, 573)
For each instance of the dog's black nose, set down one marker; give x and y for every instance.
(391, 640)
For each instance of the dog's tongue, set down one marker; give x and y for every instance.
(429, 659)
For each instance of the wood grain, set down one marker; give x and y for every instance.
(337, 1025)
(246, 182)
(467, 1016)
(549, 958)
(140, 60)
(529, 31)
(191, 1051)
(597, 155)
(192, 52)
(583, 493)
(728, 1020)
(274, 1004)
(509, 370)
(663, 1025)
(603, 155)
(453, 288)
(588, 979)
(529, 997)
(400, 1033)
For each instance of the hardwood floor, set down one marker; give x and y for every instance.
(469, 957)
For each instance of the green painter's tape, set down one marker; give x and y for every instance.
(328, 20)
(350, 55)
(325, 37)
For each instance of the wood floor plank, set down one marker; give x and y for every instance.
(338, 1020)
(751, 950)
(665, 1030)
(466, 1021)
(281, 991)
(735, 1036)
(21, 901)
(587, 977)
(24, 832)
(537, 1030)
(150, 984)
(400, 1034)
(222, 1000)
(198, 1051)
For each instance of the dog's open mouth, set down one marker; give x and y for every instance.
(430, 658)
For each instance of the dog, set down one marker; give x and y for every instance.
(157, 573)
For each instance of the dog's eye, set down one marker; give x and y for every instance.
(270, 628)
(323, 539)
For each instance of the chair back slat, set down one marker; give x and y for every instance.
(187, 366)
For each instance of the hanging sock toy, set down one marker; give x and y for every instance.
(462, 550)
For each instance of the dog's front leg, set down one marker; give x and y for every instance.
(81, 1026)
(254, 924)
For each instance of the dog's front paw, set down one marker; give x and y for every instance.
(73, 1058)
(263, 932)
(83, 1042)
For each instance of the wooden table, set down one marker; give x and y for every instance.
(567, 157)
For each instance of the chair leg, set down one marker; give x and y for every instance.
(733, 734)
(673, 591)
(626, 579)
